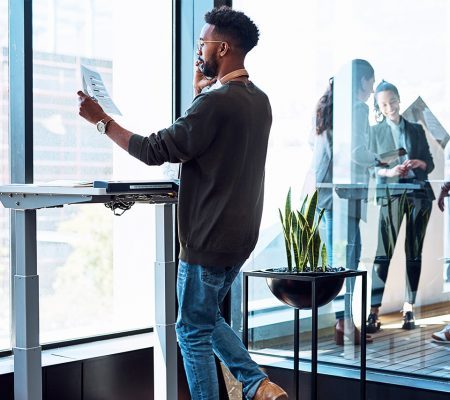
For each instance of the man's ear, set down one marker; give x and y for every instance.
(224, 48)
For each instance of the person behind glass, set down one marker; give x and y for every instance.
(392, 133)
(221, 143)
(323, 163)
(361, 159)
(443, 336)
(323, 167)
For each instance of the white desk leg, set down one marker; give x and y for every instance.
(26, 348)
(165, 350)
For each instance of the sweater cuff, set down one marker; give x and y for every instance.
(135, 145)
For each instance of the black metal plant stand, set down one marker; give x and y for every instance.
(314, 280)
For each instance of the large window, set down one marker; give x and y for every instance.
(95, 268)
(407, 44)
(4, 178)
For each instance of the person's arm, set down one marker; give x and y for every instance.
(444, 193)
(188, 137)
(398, 170)
(92, 112)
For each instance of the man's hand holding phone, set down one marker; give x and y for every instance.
(200, 80)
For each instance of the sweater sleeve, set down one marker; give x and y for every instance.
(187, 138)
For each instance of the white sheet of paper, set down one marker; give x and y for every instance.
(94, 86)
(67, 183)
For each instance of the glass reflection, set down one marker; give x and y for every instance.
(335, 34)
(411, 164)
(355, 160)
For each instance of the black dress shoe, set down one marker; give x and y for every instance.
(373, 323)
(408, 321)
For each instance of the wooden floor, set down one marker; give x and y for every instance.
(393, 348)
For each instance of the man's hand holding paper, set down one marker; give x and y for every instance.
(90, 109)
(93, 86)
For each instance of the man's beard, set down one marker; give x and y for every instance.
(210, 68)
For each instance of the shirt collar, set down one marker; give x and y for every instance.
(400, 126)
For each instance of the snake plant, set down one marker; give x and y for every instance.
(302, 241)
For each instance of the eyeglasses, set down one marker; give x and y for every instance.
(201, 42)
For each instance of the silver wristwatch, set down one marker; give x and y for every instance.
(102, 125)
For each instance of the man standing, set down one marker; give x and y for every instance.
(221, 143)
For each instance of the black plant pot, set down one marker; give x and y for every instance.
(297, 293)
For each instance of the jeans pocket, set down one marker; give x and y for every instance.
(213, 276)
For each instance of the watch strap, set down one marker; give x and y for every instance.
(106, 122)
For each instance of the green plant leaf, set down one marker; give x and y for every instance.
(410, 245)
(384, 231)
(287, 242)
(294, 239)
(392, 230)
(319, 218)
(317, 242)
(294, 222)
(305, 201)
(296, 254)
(304, 223)
(299, 229)
(421, 222)
(402, 206)
(304, 249)
(288, 211)
(311, 210)
(324, 255)
(282, 220)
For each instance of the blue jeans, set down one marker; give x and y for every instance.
(201, 330)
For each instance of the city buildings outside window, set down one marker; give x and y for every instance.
(95, 277)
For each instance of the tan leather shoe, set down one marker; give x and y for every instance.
(269, 391)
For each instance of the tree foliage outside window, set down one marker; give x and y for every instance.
(82, 288)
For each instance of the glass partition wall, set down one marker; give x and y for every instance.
(303, 45)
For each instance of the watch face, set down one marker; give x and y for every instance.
(101, 126)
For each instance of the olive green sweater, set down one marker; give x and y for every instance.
(221, 142)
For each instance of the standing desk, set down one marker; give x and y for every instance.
(24, 200)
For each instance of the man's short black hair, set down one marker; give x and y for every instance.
(235, 25)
